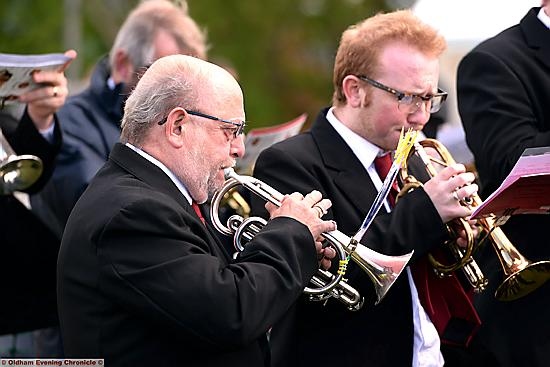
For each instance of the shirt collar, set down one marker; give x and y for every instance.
(363, 149)
(111, 83)
(544, 18)
(165, 169)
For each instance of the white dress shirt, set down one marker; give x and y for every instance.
(165, 169)
(544, 18)
(426, 347)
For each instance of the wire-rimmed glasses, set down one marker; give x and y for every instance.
(237, 128)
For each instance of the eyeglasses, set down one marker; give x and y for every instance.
(410, 103)
(237, 128)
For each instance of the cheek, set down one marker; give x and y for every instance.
(385, 118)
(217, 156)
(386, 126)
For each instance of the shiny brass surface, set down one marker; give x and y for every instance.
(383, 270)
(521, 275)
(17, 172)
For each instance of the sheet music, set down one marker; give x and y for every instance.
(258, 139)
(526, 190)
(16, 72)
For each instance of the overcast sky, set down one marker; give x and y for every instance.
(472, 20)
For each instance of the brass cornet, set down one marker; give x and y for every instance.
(17, 172)
(522, 276)
(383, 270)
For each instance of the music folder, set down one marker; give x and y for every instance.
(256, 140)
(16, 72)
(526, 190)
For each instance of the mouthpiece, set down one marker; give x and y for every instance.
(228, 172)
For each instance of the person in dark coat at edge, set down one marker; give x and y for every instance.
(27, 247)
(503, 90)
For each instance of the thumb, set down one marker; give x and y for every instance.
(71, 54)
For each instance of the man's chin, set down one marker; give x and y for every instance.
(215, 185)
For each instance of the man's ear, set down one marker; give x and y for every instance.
(123, 69)
(355, 95)
(174, 127)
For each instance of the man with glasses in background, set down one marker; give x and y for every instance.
(142, 281)
(91, 127)
(385, 79)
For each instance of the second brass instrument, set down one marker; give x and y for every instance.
(521, 275)
(383, 270)
(17, 172)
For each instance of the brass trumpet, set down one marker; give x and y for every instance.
(17, 172)
(383, 270)
(522, 276)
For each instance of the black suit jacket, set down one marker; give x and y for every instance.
(503, 98)
(328, 335)
(27, 248)
(142, 282)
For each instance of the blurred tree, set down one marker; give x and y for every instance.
(282, 51)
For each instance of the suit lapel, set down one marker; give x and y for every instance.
(219, 249)
(347, 172)
(154, 176)
(537, 35)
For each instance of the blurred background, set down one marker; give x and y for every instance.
(282, 51)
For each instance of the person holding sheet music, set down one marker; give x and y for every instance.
(503, 88)
(27, 248)
(385, 79)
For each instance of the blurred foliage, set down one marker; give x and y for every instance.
(281, 51)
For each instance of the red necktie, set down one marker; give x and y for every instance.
(197, 210)
(444, 299)
(383, 164)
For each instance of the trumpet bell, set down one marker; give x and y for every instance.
(521, 275)
(19, 172)
(383, 270)
(523, 281)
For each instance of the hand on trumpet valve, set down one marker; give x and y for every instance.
(450, 190)
(464, 197)
(462, 236)
(325, 254)
(306, 209)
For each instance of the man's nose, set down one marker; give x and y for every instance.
(237, 146)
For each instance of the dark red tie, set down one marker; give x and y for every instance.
(197, 210)
(443, 299)
(383, 164)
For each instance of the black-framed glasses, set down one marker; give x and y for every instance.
(237, 128)
(410, 103)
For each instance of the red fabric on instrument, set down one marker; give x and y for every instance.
(444, 299)
(447, 303)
